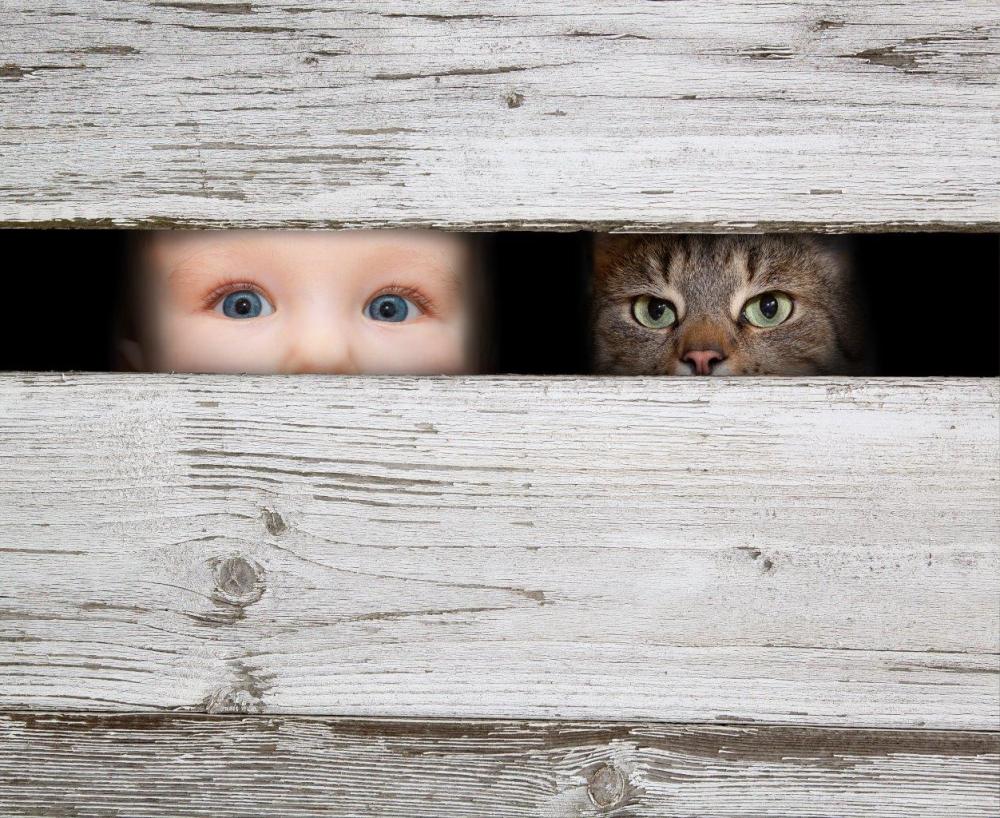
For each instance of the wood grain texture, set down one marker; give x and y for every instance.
(694, 115)
(179, 766)
(690, 550)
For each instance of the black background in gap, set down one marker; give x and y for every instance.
(935, 301)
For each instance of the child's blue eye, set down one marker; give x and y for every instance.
(391, 308)
(245, 304)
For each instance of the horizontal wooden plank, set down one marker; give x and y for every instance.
(816, 551)
(701, 115)
(181, 766)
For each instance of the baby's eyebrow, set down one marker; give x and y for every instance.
(408, 261)
(448, 278)
(201, 264)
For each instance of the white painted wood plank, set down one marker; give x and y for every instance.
(695, 115)
(179, 766)
(710, 550)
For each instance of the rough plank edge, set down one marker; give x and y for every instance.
(217, 765)
(540, 225)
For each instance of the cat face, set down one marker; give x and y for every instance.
(723, 305)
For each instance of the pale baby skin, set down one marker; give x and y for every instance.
(337, 302)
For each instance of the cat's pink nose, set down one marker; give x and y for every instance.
(702, 360)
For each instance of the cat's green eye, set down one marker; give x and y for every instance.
(768, 309)
(655, 313)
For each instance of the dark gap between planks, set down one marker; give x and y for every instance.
(935, 299)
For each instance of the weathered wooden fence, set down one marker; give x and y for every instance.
(690, 115)
(282, 596)
(779, 588)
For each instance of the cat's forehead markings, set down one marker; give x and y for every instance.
(655, 263)
(739, 259)
(679, 259)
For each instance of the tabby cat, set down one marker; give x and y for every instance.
(725, 305)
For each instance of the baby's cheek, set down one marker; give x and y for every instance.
(435, 348)
(208, 344)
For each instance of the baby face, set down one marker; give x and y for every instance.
(347, 302)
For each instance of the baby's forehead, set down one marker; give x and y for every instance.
(184, 253)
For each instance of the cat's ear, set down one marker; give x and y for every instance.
(839, 250)
(609, 250)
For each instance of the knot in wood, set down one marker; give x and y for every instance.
(515, 99)
(233, 701)
(606, 786)
(273, 522)
(240, 580)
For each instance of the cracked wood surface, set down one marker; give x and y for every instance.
(181, 765)
(795, 551)
(695, 115)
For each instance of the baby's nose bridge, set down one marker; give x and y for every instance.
(320, 343)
